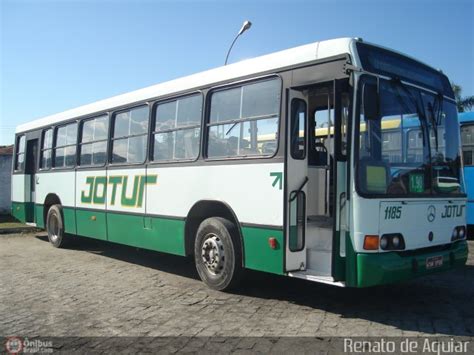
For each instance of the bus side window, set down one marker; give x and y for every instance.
(129, 138)
(345, 107)
(177, 129)
(46, 149)
(64, 151)
(20, 154)
(298, 129)
(243, 121)
(93, 144)
(467, 139)
(323, 129)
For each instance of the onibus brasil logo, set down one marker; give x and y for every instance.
(96, 192)
(17, 345)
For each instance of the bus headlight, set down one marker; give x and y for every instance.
(393, 241)
(396, 242)
(458, 233)
(454, 236)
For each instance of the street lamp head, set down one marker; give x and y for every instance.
(246, 25)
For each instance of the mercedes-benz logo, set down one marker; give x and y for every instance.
(431, 213)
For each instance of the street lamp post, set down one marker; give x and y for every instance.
(246, 25)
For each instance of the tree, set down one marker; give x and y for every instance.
(463, 103)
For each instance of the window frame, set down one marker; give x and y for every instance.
(107, 141)
(17, 153)
(54, 146)
(292, 123)
(303, 226)
(153, 131)
(42, 150)
(356, 145)
(233, 85)
(466, 124)
(111, 139)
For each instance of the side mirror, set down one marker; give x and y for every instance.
(371, 102)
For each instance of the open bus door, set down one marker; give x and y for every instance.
(30, 179)
(316, 210)
(296, 181)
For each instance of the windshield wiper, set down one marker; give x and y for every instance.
(396, 82)
(435, 116)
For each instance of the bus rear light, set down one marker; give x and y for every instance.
(371, 242)
(272, 242)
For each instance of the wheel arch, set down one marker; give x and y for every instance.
(51, 199)
(202, 210)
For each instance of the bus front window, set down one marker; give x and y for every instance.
(408, 141)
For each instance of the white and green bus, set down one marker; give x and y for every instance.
(281, 163)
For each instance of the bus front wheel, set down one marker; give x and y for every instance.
(218, 254)
(55, 226)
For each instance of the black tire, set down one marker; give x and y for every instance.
(218, 254)
(55, 227)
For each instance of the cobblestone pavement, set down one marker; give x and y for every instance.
(100, 289)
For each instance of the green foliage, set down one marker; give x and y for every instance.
(463, 103)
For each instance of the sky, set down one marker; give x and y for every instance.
(57, 55)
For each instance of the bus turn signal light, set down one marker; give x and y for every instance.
(371, 242)
(272, 242)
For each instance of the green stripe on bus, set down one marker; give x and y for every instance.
(257, 252)
(69, 220)
(68, 214)
(154, 233)
(18, 211)
(91, 224)
(165, 235)
(23, 211)
(39, 216)
(385, 268)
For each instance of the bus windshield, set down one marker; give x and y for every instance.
(408, 141)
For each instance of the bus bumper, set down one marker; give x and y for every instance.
(385, 268)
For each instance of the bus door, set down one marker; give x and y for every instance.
(317, 179)
(342, 108)
(296, 181)
(467, 138)
(30, 172)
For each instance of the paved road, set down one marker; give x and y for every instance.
(101, 289)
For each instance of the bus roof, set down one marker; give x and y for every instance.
(465, 117)
(273, 61)
(265, 63)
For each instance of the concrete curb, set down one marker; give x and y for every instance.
(19, 230)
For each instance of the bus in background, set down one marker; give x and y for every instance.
(227, 166)
(466, 120)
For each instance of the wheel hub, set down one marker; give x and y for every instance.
(53, 228)
(212, 253)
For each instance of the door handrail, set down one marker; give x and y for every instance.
(293, 194)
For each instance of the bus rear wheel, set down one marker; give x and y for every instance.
(218, 254)
(55, 227)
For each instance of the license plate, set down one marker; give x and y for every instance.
(434, 262)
